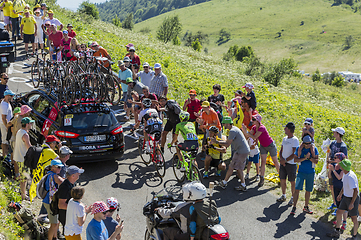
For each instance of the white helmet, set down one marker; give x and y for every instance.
(194, 191)
(2, 25)
(112, 203)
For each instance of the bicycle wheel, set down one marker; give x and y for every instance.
(195, 175)
(159, 162)
(109, 89)
(76, 89)
(67, 95)
(48, 80)
(176, 164)
(142, 151)
(35, 74)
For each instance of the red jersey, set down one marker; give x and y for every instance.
(71, 33)
(56, 38)
(194, 106)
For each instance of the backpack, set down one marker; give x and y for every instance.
(217, 109)
(173, 105)
(32, 156)
(8, 168)
(40, 187)
(54, 203)
(33, 229)
(202, 209)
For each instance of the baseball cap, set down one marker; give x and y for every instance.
(192, 91)
(339, 130)
(56, 162)
(52, 138)
(17, 110)
(345, 164)
(27, 120)
(65, 32)
(9, 92)
(132, 48)
(227, 119)
(129, 45)
(248, 85)
(37, 6)
(307, 139)
(239, 92)
(53, 25)
(205, 104)
(145, 64)
(99, 206)
(69, 25)
(340, 155)
(120, 63)
(94, 44)
(37, 10)
(25, 109)
(157, 65)
(65, 150)
(291, 126)
(43, 4)
(308, 121)
(50, 11)
(126, 59)
(74, 169)
(257, 117)
(129, 80)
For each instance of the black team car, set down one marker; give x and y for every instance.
(89, 129)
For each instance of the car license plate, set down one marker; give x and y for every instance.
(95, 138)
(4, 59)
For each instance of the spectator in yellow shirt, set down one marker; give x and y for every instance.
(28, 30)
(5, 6)
(15, 24)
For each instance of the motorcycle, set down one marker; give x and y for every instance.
(7, 55)
(170, 197)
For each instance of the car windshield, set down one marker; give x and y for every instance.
(89, 120)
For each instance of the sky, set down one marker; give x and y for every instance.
(74, 4)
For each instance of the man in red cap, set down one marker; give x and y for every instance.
(192, 105)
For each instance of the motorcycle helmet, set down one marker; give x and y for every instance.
(112, 203)
(214, 129)
(194, 191)
(147, 102)
(184, 116)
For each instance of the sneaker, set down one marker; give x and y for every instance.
(281, 199)
(306, 209)
(257, 177)
(332, 206)
(222, 184)
(334, 234)
(205, 175)
(182, 169)
(293, 211)
(126, 118)
(344, 225)
(290, 202)
(241, 188)
(261, 182)
(359, 218)
(246, 177)
(44, 220)
(334, 212)
(218, 173)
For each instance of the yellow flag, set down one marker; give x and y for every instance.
(239, 117)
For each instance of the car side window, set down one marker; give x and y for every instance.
(33, 100)
(43, 107)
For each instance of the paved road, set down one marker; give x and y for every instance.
(254, 214)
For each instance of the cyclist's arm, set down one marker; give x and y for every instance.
(225, 143)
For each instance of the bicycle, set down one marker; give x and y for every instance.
(191, 172)
(155, 154)
(37, 69)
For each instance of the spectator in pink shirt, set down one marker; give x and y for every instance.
(65, 45)
(55, 37)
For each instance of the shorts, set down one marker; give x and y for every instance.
(52, 219)
(308, 177)
(288, 170)
(128, 96)
(330, 181)
(39, 38)
(170, 126)
(137, 107)
(189, 145)
(337, 191)
(238, 161)
(7, 20)
(23, 170)
(215, 162)
(151, 129)
(271, 149)
(254, 159)
(12, 144)
(4, 133)
(74, 237)
(29, 38)
(345, 202)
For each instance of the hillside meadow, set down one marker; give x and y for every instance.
(258, 22)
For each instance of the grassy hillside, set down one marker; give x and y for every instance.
(257, 23)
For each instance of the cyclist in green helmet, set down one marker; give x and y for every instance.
(188, 131)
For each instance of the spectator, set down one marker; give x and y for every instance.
(6, 115)
(3, 84)
(56, 38)
(250, 96)
(75, 47)
(308, 129)
(336, 146)
(124, 74)
(306, 172)
(147, 94)
(36, 7)
(132, 86)
(43, 9)
(51, 185)
(349, 197)
(192, 105)
(110, 223)
(16, 114)
(146, 75)
(96, 228)
(4, 34)
(28, 30)
(72, 175)
(53, 20)
(253, 158)
(129, 45)
(288, 167)
(65, 46)
(216, 97)
(39, 38)
(240, 151)
(22, 145)
(25, 111)
(238, 96)
(134, 59)
(71, 32)
(5, 7)
(159, 83)
(15, 24)
(64, 155)
(76, 214)
(260, 133)
(101, 52)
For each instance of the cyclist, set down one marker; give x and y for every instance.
(152, 123)
(188, 131)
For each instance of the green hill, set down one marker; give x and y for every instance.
(141, 9)
(317, 43)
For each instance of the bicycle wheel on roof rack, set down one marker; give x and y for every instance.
(109, 89)
(48, 80)
(77, 90)
(97, 87)
(117, 91)
(35, 74)
(67, 93)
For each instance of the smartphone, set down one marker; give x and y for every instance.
(121, 222)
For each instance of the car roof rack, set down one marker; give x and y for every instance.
(85, 107)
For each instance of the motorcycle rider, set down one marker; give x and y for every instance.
(189, 213)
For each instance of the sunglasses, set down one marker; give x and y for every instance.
(58, 167)
(131, 51)
(306, 143)
(192, 95)
(253, 119)
(6, 78)
(47, 25)
(105, 212)
(37, 13)
(145, 67)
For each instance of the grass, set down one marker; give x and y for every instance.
(250, 25)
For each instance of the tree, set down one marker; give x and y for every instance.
(89, 9)
(316, 77)
(116, 21)
(128, 22)
(196, 45)
(244, 51)
(348, 42)
(224, 35)
(169, 29)
(189, 38)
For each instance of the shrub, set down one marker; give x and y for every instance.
(145, 30)
(224, 35)
(276, 72)
(348, 42)
(244, 51)
(169, 29)
(338, 81)
(89, 9)
(254, 65)
(196, 45)
(316, 77)
(128, 22)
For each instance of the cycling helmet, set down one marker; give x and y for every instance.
(147, 102)
(112, 203)
(184, 116)
(194, 191)
(214, 129)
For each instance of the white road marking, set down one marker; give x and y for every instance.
(21, 80)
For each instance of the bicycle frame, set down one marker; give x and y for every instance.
(188, 166)
(154, 147)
